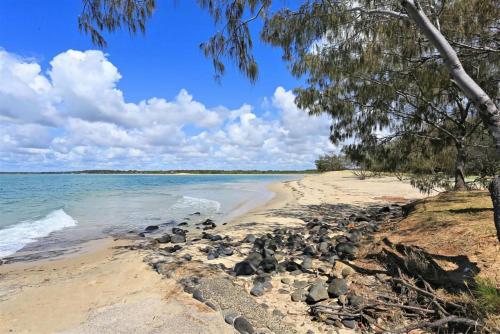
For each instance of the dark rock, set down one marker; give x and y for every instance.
(187, 257)
(356, 301)
(142, 235)
(215, 237)
(172, 249)
(151, 228)
(323, 247)
(164, 239)
(254, 258)
(306, 263)
(178, 238)
(207, 222)
(361, 218)
(212, 255)
(346, 248)
(244, 268)
(229, 318)
(317, 292)
(243, 326)
(226, 251)
(250, 238)
(257, 290)
(299, 295)
(268, 264)
(196, 213)
(292, 266)
(178, 231)
(337, 287)
(349, 323)
(384, 209)
(309, 250)
(182, 224)
(198, 295)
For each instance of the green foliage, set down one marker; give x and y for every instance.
(488, 296)
(331, 162)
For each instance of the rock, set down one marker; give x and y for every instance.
(285, 280)
(187, 257)
(283, 291)
(361, 218)
(178, 231)
(356, 301)
(243, 326)
(207, 222)
(182, 224)
(164, 239)
(178, 238)
(354, 236)
(254, 258)
(229, 318)
(323, 247)
(198, 295)
(257, 290)
(299, 295)
(226, 251)
(244, 268)
(337, 287)
(212, 255)
(278, 314)
(142, 235)
(384, 209)
(309, 250)
(347, 271)
(172, 249)
(292, 266)
(346, 248)
(306, 263)
(250, 238)
(349, 323)
(317, 292)
(196, 213)
(299, 284)
(268, 264)
(215, 237)
(151, 228)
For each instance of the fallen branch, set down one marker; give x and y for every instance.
(438, 323)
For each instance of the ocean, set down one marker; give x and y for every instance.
(55, 212)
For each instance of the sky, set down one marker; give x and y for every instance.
(144, 102)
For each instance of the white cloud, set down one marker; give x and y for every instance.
(75, 117)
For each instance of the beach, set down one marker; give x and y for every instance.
(111, 287)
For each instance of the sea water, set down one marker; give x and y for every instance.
(46, 212)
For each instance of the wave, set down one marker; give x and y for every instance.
(195, 203)
(15, 237)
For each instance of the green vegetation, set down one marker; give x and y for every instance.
(488, 296)
(332, 162)
(180, 171)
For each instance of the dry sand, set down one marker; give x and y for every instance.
(111, 290)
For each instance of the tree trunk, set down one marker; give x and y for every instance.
(460, 169)
(487, 109)
(495, 198)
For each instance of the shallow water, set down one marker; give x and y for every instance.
(40, 212)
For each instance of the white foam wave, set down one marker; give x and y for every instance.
(15, 237)
(195, 203)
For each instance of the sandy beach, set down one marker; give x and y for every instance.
(109, 288)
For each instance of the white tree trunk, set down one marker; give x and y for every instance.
(487, 109)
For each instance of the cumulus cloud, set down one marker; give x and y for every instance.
(73, 116)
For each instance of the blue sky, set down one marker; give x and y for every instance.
(162, 64)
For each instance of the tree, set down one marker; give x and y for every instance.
(314, 20)
(331, 162)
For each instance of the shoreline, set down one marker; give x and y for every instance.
(35, 295)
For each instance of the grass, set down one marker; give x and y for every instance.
(487, 295)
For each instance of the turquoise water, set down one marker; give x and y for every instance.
(39, 212)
